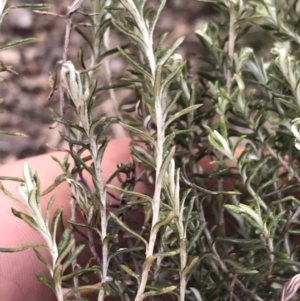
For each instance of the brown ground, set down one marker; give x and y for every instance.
(25, 94)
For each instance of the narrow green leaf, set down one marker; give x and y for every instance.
(157, 13)
(135, 64)
(103, 121)
(42, 259)
(87, 288)
(58, 180)
(246, 272)
(148, 100)
(297, 232)
(64, 165)
(12, 133)
(18, 43)
(81, 272)
(168, 253)
(73, 141)
(163, 222)
(64, 252)
(219, 147)
(162, 291)
(168, 140)
(69, 124)
(31, 5)
(239, 140)
(132, 80)
(103, 27)
(223, 127)
(135, 36)
(187, 210)
(26, 218)
(183, 112)
(15, 179)
(260, 164)
(101, 150)
(127, 229)
(49, 206)
(274, 224)
(80, 56)
(130, 272)
(140, 6)
(158, 82)
(55, 221)
(64, 240)
(241, 241)
(171, 104)
(95, 229)
(118, 171)
(254, 216)
(142, 134)
(189, 267)
(267, 184)
(172, 77)
(170, 51)
(124, 250)
(233, 208)
(83, 162)
(10, 195)
(72, 256)
(166, 163)
(85, 38)
(107, 123)
(142, 156)
(195, 237)
(281, 255)
(23, 247)
(45, 281)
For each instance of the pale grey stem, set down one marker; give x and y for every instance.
(74, 262)
(64, 59)
(183, 262)
(231, 44)
(159, 118)
(155, 204)
(100, 188)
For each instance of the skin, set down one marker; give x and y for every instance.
(17, 270)
(19, 282)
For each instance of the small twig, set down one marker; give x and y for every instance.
(231, 44)
(186, 181)
(90, 69)
(280, 190)
(82, 25)
(8, 68)
(88, 14)
(43, 12)
(232, 284)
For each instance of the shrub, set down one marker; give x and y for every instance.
(229, 234)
